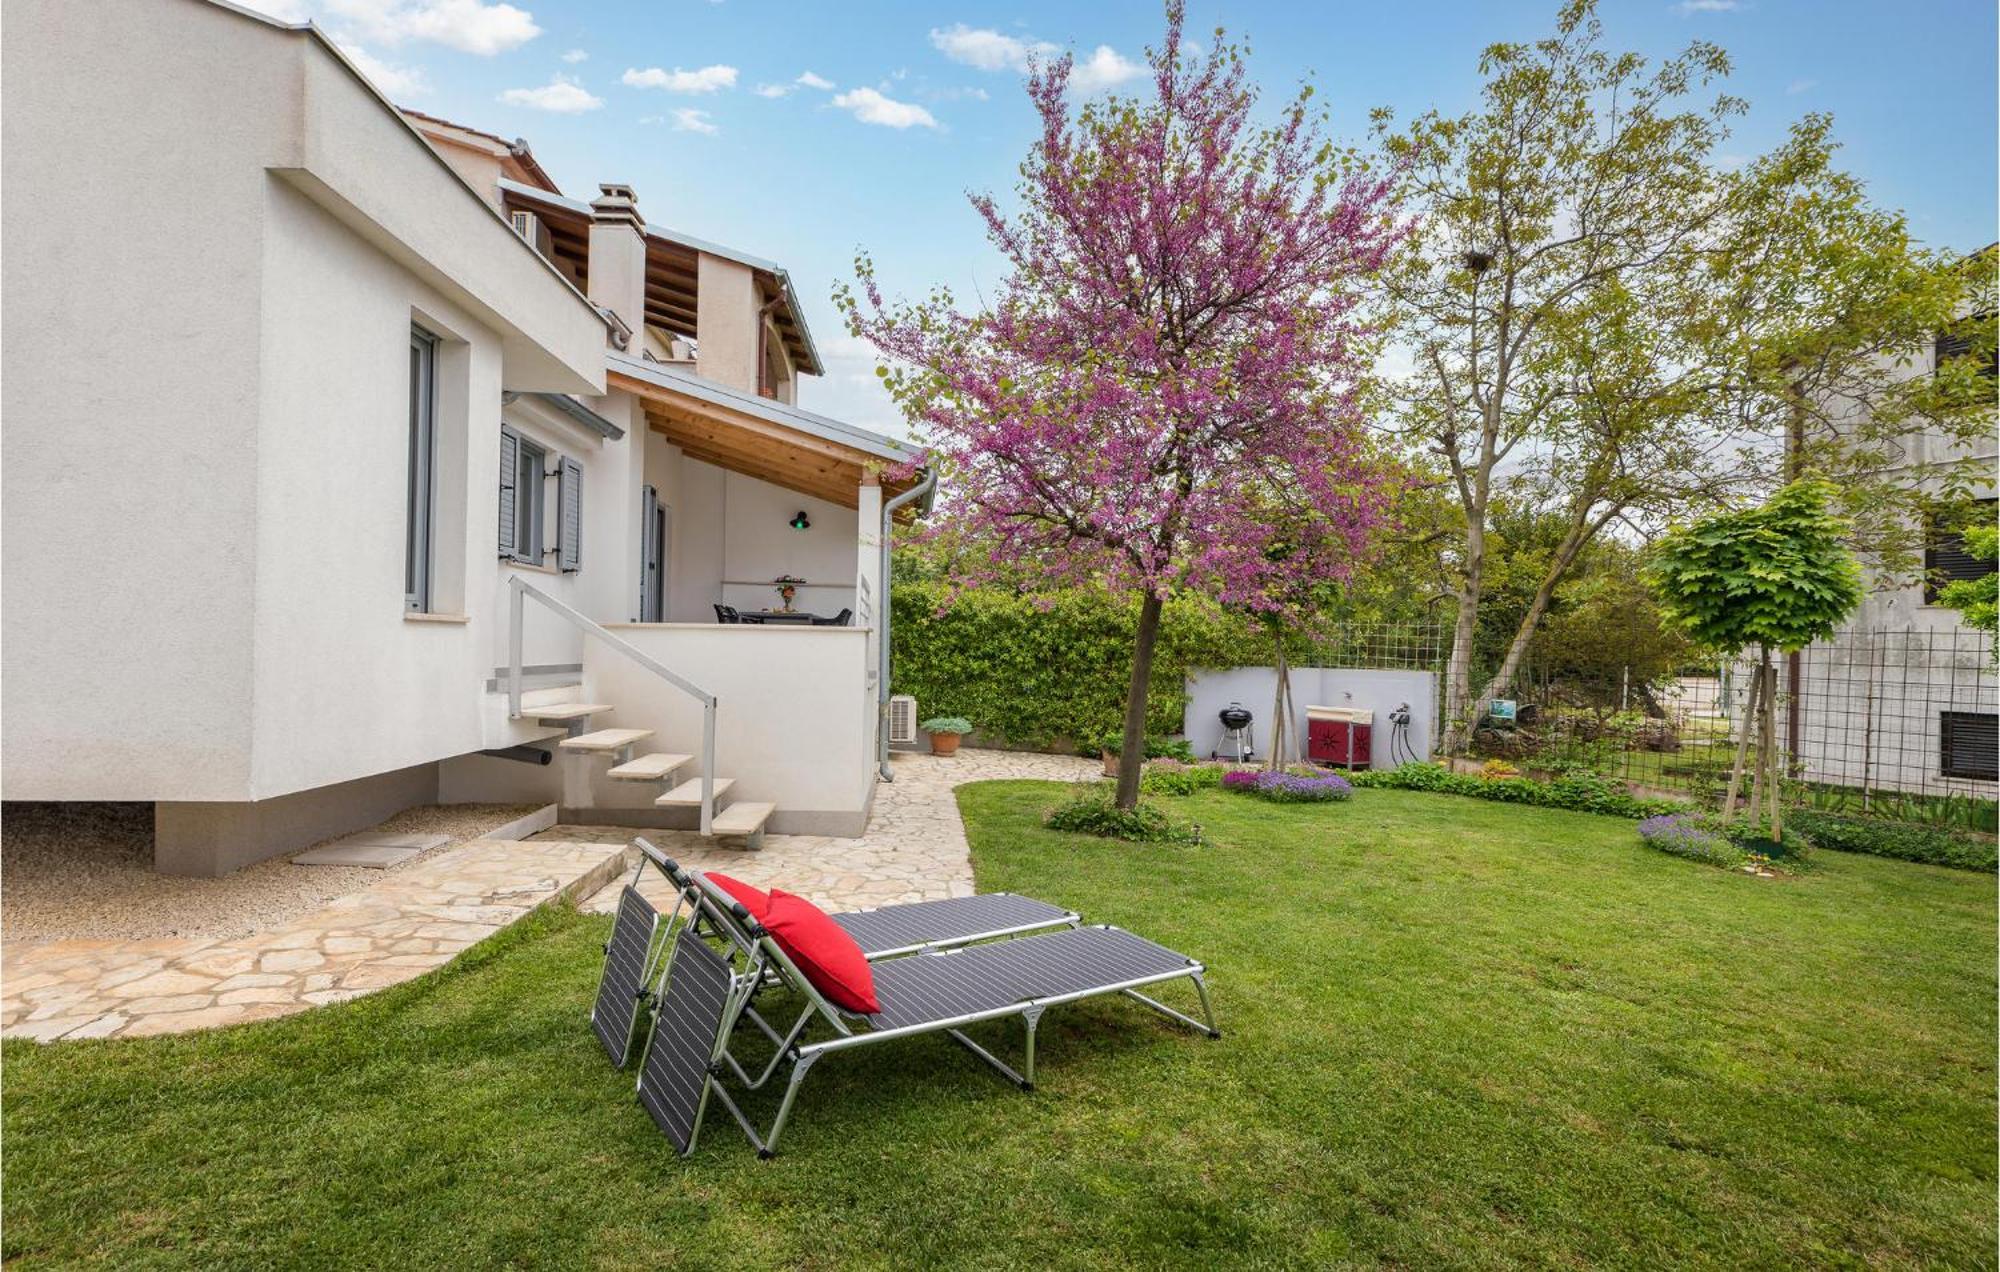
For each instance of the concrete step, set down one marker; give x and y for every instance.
(649, 768)
(545, 695)
(747, 818)
(605, 740)
(688, 793)
(565, 711)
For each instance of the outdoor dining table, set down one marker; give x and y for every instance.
(778, 616)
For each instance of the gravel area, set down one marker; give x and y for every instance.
(86, 870)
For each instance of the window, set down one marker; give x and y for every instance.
(1945, 558)
(1961, 340)
(1969, 745)
(423, 460)
(523, 472)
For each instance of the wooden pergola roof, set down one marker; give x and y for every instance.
(672, 279)
(768, 441)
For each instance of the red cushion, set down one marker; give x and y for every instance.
(755, 900)
(828, 956)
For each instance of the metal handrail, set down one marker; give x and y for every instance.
(519, 592)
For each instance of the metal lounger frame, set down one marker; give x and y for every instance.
(708, 902)
(764, 960)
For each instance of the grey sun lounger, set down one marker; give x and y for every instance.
(725, 958)
(639, 952)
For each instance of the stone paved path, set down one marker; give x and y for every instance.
(411, 921)
(419, 918)
(914, 850)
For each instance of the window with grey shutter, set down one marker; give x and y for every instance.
(510, 465)
(569, 516)
(420, 492)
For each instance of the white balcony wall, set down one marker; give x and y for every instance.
(790, 725)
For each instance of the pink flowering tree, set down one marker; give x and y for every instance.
(1177, 347)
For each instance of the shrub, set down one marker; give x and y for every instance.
(1288, 787)
(1498, 771)
(947, 724)
(1156, 747)
(1904, 841)
(1578, 790)
(1036, 671)
(1168, 777)
(1693, 837)
(1094, 813)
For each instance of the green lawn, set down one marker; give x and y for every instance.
(1455, 1033)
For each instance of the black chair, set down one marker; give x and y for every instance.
(727, 614)
(841, 619)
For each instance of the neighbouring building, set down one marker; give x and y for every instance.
(351, 465)
(1904, 699)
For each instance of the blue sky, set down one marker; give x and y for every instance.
(805, 131)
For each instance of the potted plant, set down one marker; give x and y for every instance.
(945, 732)
(788, 587)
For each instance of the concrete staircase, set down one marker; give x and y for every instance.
(586, 745)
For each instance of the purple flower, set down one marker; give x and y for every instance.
(1289, 788)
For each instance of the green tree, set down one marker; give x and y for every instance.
(1609, 323)
(1779, 576)
(1978, 600)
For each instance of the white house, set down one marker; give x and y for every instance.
(321, 420)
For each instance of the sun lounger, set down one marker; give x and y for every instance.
(638, 955)
(936, 991)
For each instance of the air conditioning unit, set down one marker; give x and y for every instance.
(902, 719)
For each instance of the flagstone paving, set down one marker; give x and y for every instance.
(409, 922)
(419, 917)
(914, 849)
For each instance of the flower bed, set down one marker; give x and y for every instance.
(1288, 788)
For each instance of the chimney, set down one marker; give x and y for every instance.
(617, 270)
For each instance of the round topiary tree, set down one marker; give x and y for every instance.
(1780, 576)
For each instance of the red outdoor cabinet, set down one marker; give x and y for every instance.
(1339, 735)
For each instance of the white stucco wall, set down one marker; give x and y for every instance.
(787, 727)
(207, 305)
(1255, 687)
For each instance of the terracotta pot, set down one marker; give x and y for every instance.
(944, 744)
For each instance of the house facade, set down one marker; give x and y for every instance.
(1904, 698)
(350, 465)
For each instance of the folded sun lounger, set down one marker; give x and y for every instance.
(639, 952)
(711, 983)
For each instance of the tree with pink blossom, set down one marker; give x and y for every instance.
(1177, 348)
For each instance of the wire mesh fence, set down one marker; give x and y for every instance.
(1902, 724)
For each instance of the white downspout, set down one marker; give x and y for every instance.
(918, 491)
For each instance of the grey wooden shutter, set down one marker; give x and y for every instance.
(569, 517)
(510, 455)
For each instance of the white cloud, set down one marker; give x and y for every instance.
(706, 80)
(809, 80)
(987, 49)
(574, 56)
(392, 79)
(1106, 68)
(470, 26)
(1685, 7)
(772, 90)
(870, 107)
(561, 95)
(688, 119)
(1798, 86)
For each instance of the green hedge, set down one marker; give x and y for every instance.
(1048, 677)
(1578, 790)
(1904, 841)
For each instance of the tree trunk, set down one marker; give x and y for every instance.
(1133, 757)
(1458, 671)
(1776, 762)
(1795, 468)
(1280, 720)
(1743, 726)
(1766, 737)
